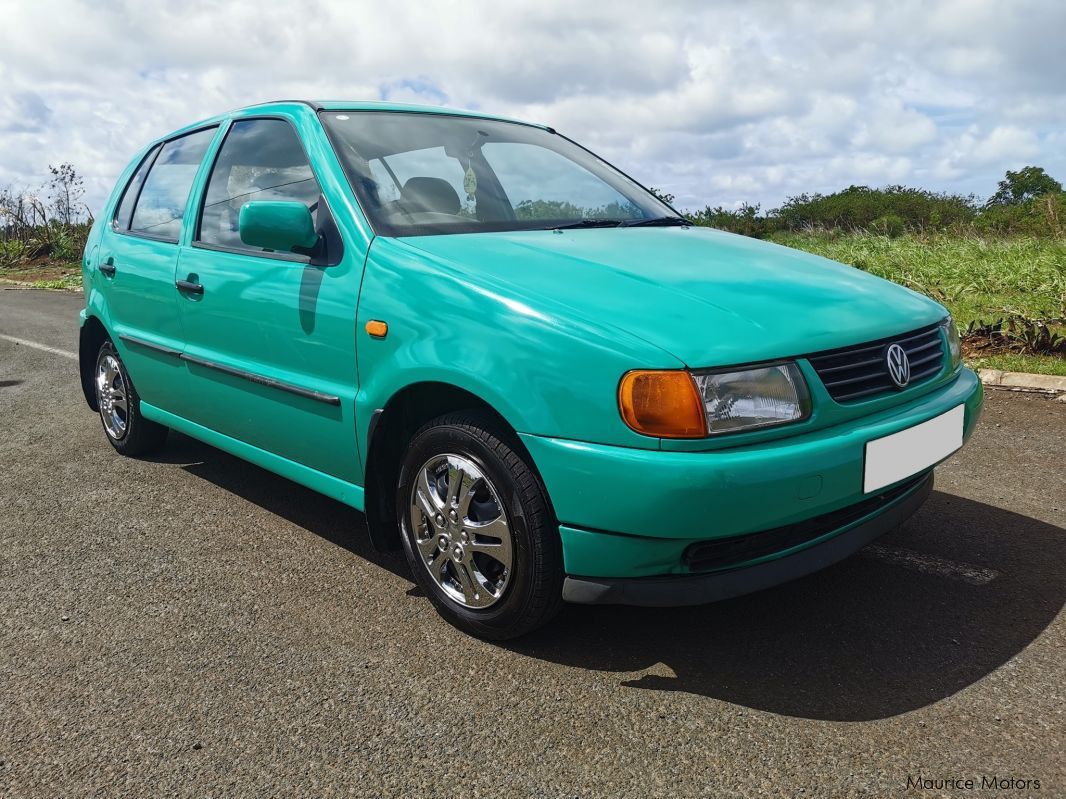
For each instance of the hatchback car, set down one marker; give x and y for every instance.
(535, 377)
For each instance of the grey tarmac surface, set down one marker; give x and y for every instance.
(191, 625)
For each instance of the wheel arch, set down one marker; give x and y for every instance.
(391, 428)
(92, 335)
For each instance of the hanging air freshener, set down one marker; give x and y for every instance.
(470, 183)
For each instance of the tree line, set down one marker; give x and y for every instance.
(1026, 202)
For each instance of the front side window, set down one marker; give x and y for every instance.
(161, 204)
(260, 159)
(428, 174)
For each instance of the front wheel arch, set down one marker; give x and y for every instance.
(393, 426)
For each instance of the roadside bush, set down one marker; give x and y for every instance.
(1027, 203)
(744, 220)
(12, 253)
(889, 225)
(861, 208)
(1043, 216)
(1015, 333)
(68, 242)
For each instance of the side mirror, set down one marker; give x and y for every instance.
(277, 226)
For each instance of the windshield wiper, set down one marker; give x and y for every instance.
(657, 221)
(587, 223)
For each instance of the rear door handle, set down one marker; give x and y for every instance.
(108, 267)
(189, 286)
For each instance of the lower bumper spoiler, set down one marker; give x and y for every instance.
(699, 589)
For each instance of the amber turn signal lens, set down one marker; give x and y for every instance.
(662, 403)
(377, 328)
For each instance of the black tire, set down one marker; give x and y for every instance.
(138, 436)
(532, 594)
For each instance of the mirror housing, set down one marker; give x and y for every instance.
(277, 226)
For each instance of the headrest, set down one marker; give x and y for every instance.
(430, 194)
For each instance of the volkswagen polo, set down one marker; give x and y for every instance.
(531, 374)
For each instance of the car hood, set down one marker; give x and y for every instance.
(707, 297)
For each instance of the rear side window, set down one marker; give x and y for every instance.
(129, 194)
(261, 159)
(162, 201)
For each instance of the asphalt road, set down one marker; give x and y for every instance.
(191, 625)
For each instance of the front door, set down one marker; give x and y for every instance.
(270, 337)
(138, 258)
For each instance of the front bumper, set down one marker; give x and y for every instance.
(629, 513)
(698, 589)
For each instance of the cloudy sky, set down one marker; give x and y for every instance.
(714, 102)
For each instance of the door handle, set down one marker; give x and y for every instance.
(189, 286)
(108, 267)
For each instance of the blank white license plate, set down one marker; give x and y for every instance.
(900, 455)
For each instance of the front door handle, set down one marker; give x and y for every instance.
(189, 286)
(108, 267)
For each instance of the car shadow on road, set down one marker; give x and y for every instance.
(332, 520)
(866, 639)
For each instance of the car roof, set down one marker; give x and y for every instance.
(341, 105)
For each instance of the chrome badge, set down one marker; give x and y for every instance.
(899, 366)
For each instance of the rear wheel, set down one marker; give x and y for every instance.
(477, 528)
(120, 407)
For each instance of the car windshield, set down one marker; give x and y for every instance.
(419, 174)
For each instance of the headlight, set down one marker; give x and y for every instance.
(672, 403)
(751, 398)
(951, 333)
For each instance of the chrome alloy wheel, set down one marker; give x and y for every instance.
(461, 530)
(111, 396)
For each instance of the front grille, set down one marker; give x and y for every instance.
(851, 373)
(722, 553)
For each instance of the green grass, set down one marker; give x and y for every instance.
(1039, 364)
(975, 278)
(68, 282)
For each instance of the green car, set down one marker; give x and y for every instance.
(530, 373)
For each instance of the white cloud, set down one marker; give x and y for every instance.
(716, 102)
(889, 127)
(1006, 145)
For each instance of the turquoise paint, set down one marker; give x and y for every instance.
(707, 297)
(340, 490)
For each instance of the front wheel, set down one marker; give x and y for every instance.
(478, 529)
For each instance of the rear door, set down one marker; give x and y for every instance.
(138, 256)
(270, 336)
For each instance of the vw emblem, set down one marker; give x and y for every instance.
(899, 366)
